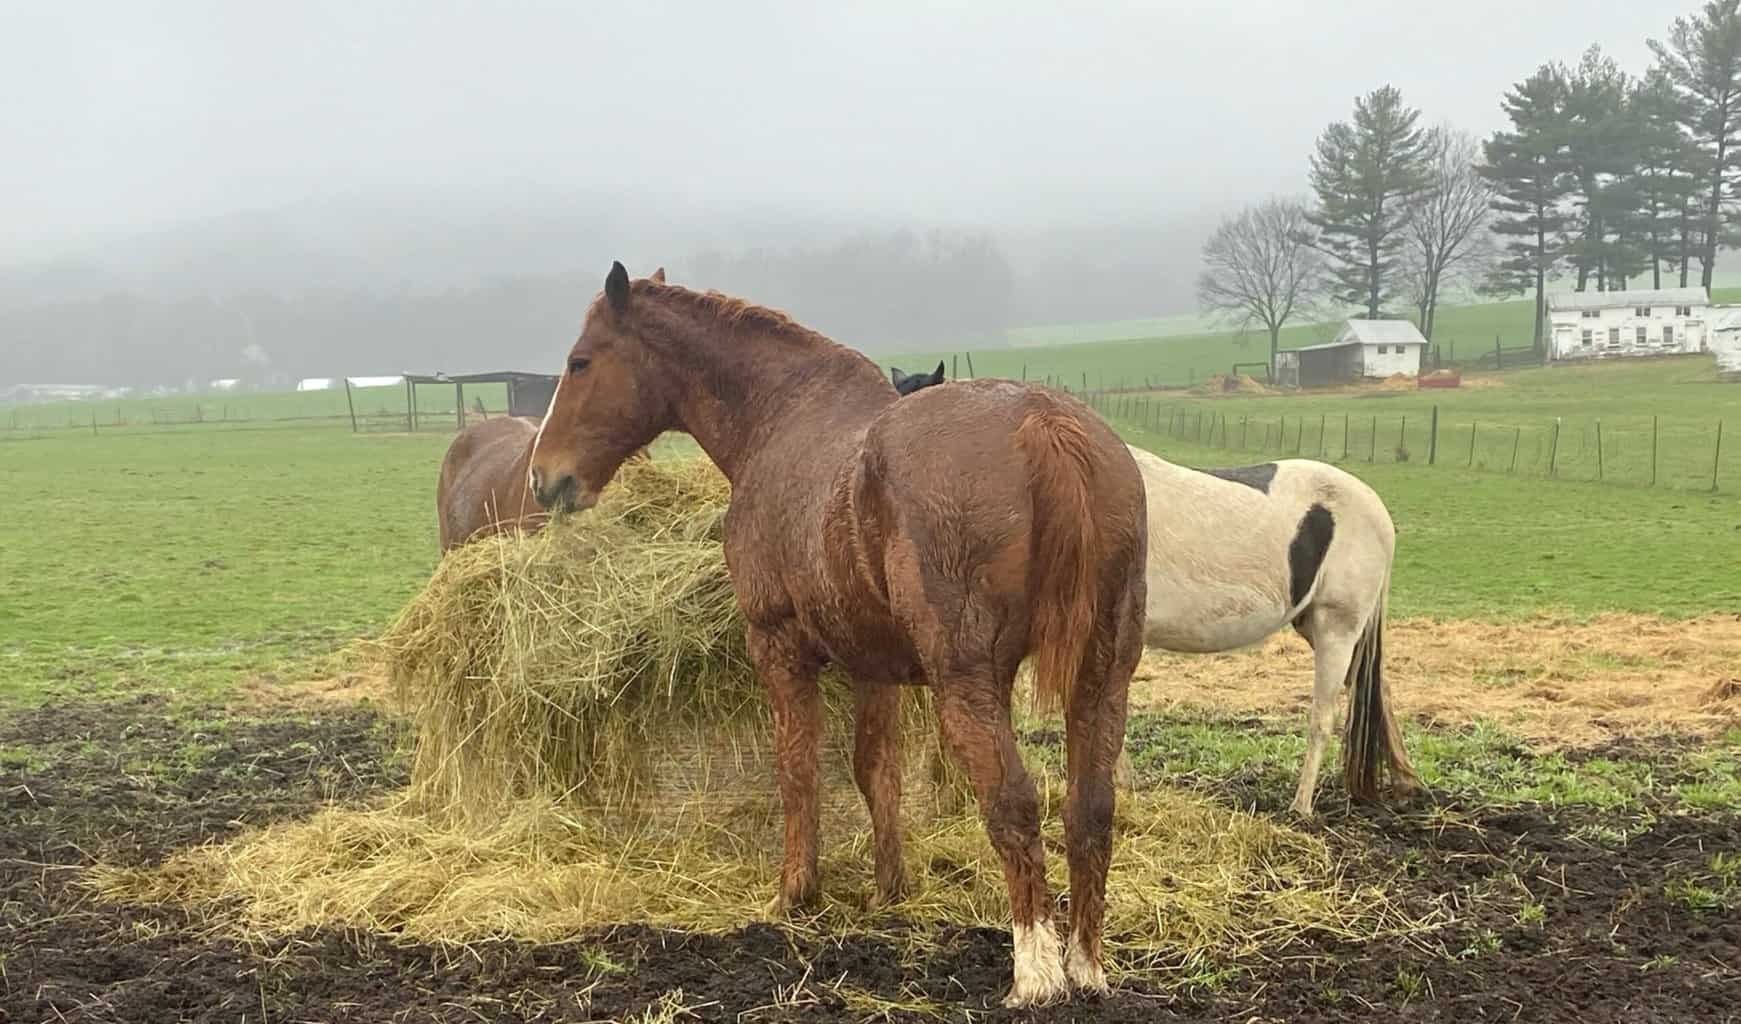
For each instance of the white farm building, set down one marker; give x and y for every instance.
(1598, 325)
(1372, 349)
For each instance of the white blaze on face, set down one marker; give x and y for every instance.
(539, 436)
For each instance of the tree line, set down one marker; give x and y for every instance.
(1611, 178)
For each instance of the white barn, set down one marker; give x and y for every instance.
(1598, 325)
(1725, 340)
(1372, 349)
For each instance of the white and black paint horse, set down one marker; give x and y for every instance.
(1236, 555)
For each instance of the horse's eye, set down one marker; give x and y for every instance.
(577, 365)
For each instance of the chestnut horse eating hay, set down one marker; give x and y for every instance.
(483, 487)
(940, 539)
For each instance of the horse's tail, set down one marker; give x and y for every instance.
(1373, 747)
(1065, 549)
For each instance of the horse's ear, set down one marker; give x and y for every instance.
(896, 376)
(659, 275)
(617, 288)
(937, 375)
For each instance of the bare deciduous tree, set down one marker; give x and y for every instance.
(1448, 242)
(1260, 268)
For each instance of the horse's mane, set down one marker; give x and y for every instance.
(735, 314)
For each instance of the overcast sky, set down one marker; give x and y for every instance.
(120, 116)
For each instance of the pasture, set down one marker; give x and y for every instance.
(177, 667)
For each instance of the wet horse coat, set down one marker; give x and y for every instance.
(1234, 555)
(939, 539)
(482, 488)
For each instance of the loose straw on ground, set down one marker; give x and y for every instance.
(590, 747)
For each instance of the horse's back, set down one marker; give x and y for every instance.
(477, 473)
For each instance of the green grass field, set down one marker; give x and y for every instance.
(195, 555)
(1610, 422)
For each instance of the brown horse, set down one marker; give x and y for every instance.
(484, 487)
(940, 539)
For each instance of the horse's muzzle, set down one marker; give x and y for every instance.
(559, 494)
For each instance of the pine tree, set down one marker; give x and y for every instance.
(1528, 169)
(1667, 176)
(1366, 173)
(1603, 158)
(1702, 60)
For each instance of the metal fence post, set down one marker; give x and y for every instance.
(1433, 434)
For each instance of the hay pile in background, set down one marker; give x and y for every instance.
(592, 748)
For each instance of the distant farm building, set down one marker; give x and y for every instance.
(1600, 325)
(225, 384)
(1364, 349)
(316, 384)
(62, 392)
(388, 381)
(1725, 340)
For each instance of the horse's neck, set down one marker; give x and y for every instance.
(743, 400)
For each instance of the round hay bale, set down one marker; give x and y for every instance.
(599, 661)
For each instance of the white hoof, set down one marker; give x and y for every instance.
(1085, 972)
(1039, 967)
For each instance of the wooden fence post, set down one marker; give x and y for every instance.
(408, 426)
(1472, 427)
(1598, 448)
(1516, 437)
(1433, 436)
(1323, 418)
(1554, 448)
(349, 404)
(1653, 451)
(970, 371)
(1372, 449)
(1717, 459)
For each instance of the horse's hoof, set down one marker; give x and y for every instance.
(880, 900)
(776, 910)
(1039, 967)
(1085, 972)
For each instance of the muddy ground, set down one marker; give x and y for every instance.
(1559, 915)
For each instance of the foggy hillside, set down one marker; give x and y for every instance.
(379, 283)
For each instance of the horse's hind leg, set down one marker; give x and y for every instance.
(876, 766)
(976, 725)
(1333, 634)
(1094, 726)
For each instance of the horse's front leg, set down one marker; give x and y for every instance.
(797, 704)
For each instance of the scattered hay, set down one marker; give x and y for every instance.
(591, 749)
(1557, 682)
(1724, 695)
(1187, 877)
(1222, 383)
(368, 686)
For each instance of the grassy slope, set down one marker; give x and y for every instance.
(1520, 408)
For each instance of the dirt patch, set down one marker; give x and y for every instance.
(1548, 923)
(1557, 682)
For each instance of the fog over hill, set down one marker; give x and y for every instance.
(347, 187)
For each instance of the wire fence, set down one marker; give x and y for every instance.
(364, 410)
(1684, 453)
